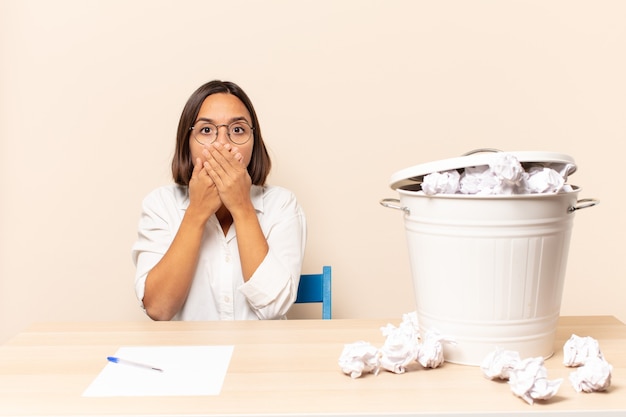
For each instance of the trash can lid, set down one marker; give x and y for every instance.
(415, 174)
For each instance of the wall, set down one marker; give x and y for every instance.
(348, 93)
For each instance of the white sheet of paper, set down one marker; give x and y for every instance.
(187, 370)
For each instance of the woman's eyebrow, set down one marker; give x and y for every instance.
(231, 120)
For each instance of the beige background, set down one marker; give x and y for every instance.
(348, 92)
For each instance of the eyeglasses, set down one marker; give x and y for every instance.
(205, 133)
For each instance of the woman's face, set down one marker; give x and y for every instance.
(222, 109)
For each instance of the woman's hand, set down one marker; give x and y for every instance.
(229, 175)
(204, 199)
(224, 164)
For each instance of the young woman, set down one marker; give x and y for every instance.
(219, 244)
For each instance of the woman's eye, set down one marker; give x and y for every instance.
(206, 130)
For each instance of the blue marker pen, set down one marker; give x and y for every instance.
(131, 363)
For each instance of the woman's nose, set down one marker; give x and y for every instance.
(222, 135)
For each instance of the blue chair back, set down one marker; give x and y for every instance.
(316, 288)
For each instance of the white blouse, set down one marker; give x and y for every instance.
(218, 291)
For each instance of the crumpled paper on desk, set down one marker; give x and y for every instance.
(400, 348)
(594, 372)
(430, 351)
(594, 375)
(359, 357)
(504, 175)
(499, 363)
(401, 344)
(577, 350)
(528, 380)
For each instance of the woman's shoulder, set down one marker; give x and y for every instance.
(274, 192)
(167, 195)
(275, 189)
(274, 195)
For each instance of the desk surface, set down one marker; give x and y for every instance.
(286, 367)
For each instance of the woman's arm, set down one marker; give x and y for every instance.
(168, 283)
(272, 289)
(233, 184)
(251, 242)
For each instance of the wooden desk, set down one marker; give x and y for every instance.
(284, 368)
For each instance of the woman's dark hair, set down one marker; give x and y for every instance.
(182, 165)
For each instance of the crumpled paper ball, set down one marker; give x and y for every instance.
(499, 363)
(528, 380)
(478, 180)
(577, 350)
(509, 173)
(441, 182)
(430, 351)
(401, 344)
(594, 375)
(358, 358)
(399, 349)
(542, 180)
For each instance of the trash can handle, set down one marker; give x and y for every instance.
(394, 203)
(583, 203)
(481, 150)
